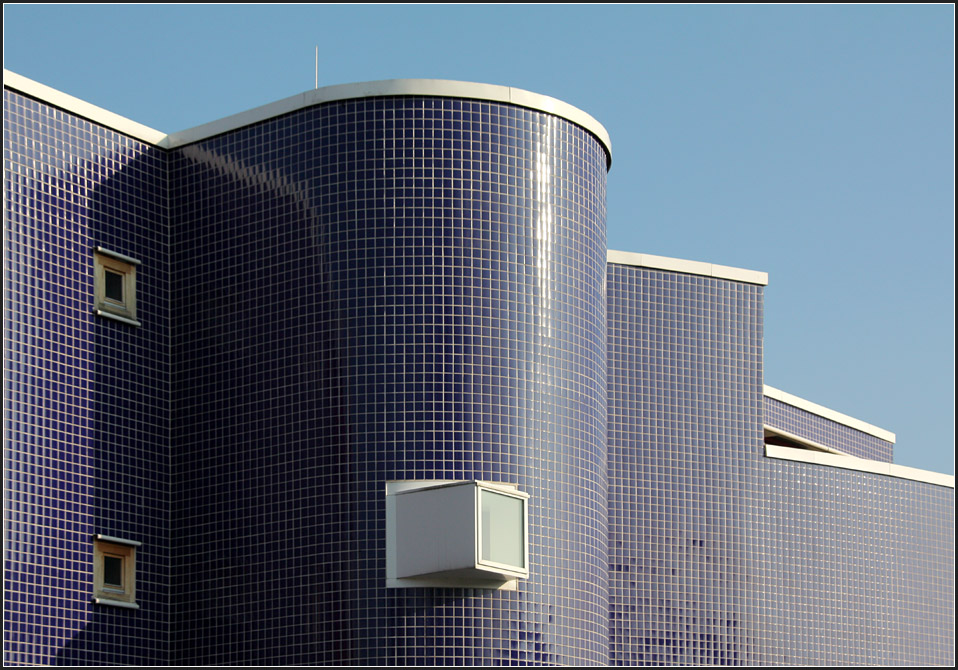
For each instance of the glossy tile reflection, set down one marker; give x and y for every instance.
(405, 286)
(418, 298)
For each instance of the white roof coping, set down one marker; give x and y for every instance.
(390, 87)
(440, 88)
(860, 464)
(688, 267)
(80, 108)
(829, 414)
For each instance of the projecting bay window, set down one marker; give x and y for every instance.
(470, 534)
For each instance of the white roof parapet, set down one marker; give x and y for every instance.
(391, 87)
(830, 414)
(688, 267)
(398, 87)
(76, 106)
(860, 464)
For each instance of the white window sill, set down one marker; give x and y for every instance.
(115, 603)
(116, 317)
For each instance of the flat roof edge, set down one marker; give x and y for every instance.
(391, 87)
(860, 464)
(832, 415)
(397, 87)
(79, 107)
(688, 267)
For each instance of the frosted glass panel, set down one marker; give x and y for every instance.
(503, 530)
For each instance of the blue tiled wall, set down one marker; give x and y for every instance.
(719, 555)
(375, 290)
(856, 568)
(824, 431)
(413, 288)
(685, 408)
(87, 448)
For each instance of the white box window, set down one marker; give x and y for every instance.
(453, 533)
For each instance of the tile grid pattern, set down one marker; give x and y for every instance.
(827, 432)
(411, 288)
(87, 420)
(721, 556)
(857, 568)
(685, 391)
(413, 291)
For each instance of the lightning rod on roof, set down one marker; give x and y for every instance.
(317, 66)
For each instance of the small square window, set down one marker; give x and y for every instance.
(114, 571)
(114, 285)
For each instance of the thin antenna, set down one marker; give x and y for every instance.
(317, 66)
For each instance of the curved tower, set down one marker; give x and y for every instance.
(420, 297)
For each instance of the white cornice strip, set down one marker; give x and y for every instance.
(80, 108)
(391, 87)
(396, 87)
(830, 414)
(687, 267)
(860, 464)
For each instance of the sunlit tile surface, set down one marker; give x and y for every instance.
(685, 413)
(719, 555)
(824, 431)
(413, 288)
(373, 290)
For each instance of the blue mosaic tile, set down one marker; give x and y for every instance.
(378, 291)
(826, 432)
(413, 288)
(87, 432)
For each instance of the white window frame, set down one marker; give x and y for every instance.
(515, 571)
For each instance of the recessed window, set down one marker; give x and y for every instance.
(114, 285)
(777, 437)
(114, 571)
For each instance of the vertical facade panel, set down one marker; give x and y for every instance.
(685, 408)
(87, 416)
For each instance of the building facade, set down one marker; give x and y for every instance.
(225, 345)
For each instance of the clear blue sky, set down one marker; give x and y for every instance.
(815, 143)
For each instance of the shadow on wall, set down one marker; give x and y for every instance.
(225, 479)
(118, 442)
